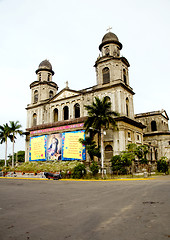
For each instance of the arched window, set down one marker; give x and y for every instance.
(127, 107)
(48, 79)
(107, 51)
(76, 110)
(34, 119)
(124, 76)
(50, 94)
(55, 115)
(108, 100)
(65, 112)
(151, 154)
(106, 75)
(153, 126)
(156, 154)
(108, 152)
(108, 148)
(39, 76)
(35, 96)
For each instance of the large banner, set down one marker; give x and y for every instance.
(72, 149)
(38, 147)
(59, 146)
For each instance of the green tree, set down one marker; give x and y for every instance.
(19, 156)
(91, 147)
(162, 165)
(132, 147)
(141, 153)
(5, 133)
(131, 150)
(2, 162)
(79, 171)
(100, 117)
(94, 168)
(116, 163)
(120, 163)
(15, 129)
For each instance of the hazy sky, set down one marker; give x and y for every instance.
(68, 34)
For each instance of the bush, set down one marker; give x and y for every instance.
(79, 171)
(162, 165)
(143, 161)
(119, 163)
(2, 163)
(94, 168)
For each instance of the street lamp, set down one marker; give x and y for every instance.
(102, 132)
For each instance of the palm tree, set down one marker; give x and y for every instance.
(15, 129)
(5, 133)
(100, 117)
(91, 147)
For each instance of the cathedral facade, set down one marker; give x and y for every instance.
(51, 112)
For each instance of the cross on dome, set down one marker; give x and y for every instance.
(109, 28)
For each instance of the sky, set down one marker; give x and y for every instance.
(68, 34)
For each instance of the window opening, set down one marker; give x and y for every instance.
(108, 152)
(153, 126)
(50, 94)
(34, 119)
(106, 75)
(127, 107)
(76, 110)
(55, 115)
(129, 135)
(108, 148)
(151, 154)
(35, 96)
(156, 154)
(39, 76)
(107, 52)
(66, 112)
(48, 77)
(124, 76)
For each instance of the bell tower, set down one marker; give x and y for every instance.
(110, 66)
(112, 72)
(44, 88)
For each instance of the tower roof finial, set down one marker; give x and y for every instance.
(66, 84)
(109, 28)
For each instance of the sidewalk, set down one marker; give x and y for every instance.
(41, 176)
(162, 177)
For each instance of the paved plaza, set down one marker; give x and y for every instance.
(83, 210)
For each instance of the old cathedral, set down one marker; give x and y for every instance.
(51, 112)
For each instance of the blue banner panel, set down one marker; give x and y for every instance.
(72, 149)
(38, 148)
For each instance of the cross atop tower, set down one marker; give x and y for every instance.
(109, 28)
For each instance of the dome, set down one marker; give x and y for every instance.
(45, 64)
(110, 38)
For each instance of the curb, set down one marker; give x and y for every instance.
(82, 180)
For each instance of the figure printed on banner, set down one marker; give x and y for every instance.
(54, 146)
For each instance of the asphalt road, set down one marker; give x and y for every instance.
(119, 210)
